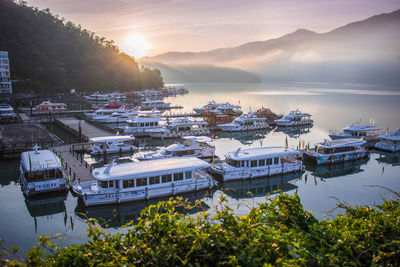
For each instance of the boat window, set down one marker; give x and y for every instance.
(276, 160)
(110, 184)
(52, 174)
(154, 180)
(147, 124)
(261, 162)
(141, 181)
(156, 123)
(166, 178)
(254, 163)
(128, 183)
(59, 174)
(178, 176)
(103, 184)
(188, 175)
(142, 125)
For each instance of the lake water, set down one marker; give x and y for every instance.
(332, 107)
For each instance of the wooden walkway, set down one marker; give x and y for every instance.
(81, 128)
(74, 163)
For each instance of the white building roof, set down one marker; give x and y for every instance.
(341, 143)
(260, 152)
(150, 168)
(112, 138)
(40, 160)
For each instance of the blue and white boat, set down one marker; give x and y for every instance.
(389, 141)
(329, 152)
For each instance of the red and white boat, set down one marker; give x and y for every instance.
(46, 107)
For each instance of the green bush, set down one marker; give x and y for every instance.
(278, 232)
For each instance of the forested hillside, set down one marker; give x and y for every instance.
(48, 54)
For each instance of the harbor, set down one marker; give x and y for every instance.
(314, 184)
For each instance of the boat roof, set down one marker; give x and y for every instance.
(112, 138)
(40, 160)
(361, 127)
(260, 152)
(395, 135)
(341, 143)
(149, 168)
(200, 139)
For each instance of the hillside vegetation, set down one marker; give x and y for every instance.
(279, 232)
(48, 54)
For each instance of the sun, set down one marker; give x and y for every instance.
(135, 45)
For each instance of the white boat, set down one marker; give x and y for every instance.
(106, 97)
(370, 133)
(41, 171)
(193, 146)
(121, 116)
(111, 145)
(258, 162)
(295, 118)
(109, 109)
(6, 111)
(180, 127)
(144, 180)
(389, 141)
(46, 107)
(246, 122)
(228, 109)
(212, 105)
(339, 150)
(143, 122)
(152, 104)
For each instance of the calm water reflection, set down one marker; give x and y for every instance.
(332, 107)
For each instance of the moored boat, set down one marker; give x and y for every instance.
(295, 118)
(111, 145)
(329, 152)
(180, 127)
(143, 122)
(6, 111)
(144, 180)
(246, 122)
(41, 171)
(193, 146)
(258, 162)
(46, 107)
(369, 133)
(389, 141)
(152, 104)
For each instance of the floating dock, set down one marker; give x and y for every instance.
(84, 129)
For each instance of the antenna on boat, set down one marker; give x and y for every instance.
(36, 148)
(237, 151)
(107, 170)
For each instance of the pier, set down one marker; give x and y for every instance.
(83, 129)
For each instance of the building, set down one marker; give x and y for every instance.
(5, 81)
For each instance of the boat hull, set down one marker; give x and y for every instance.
(229, 173)
(232, 128)
(144, 193)
(322, 159)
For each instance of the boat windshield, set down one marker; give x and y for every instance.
(43, 175)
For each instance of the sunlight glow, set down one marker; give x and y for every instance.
(135, 45)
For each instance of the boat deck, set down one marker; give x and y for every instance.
(82, 127)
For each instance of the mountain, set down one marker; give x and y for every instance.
(48, 55)
(365, 51)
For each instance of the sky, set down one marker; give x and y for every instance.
(151, 27)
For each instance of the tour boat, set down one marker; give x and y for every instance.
(143, 122)
(268, 114)
(106, 97)
(180, 127)
(6, 111)
(111, 145)
(193, 146)
(41, 171)
(370, 133)
(109, 109)
(228, 109)
(151, 104)
(389, 141)
(258, 162)
(212, 105)
(46, 107)
(121, 116)
(144, 180)
(339, 150)
(295, 118)
(246, 122)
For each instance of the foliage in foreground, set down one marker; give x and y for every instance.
(279, 232)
